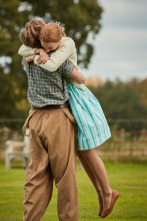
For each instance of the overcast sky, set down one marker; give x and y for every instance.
(121, 45)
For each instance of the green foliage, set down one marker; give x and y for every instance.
(80, 18)
(141, 87)
(13, 81)
(121, 101)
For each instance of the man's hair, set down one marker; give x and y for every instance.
(51, 32)
(30, 34)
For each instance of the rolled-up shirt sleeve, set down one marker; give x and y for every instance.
(24, 63)
(66, 68)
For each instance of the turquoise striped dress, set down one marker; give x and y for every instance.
(93, 129)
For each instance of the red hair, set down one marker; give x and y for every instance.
(52, 32)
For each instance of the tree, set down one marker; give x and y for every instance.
(120, 101)
(81, 18)
(13, 82)
(141, 87)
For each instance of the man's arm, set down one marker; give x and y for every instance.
(67, 69)
(77, 76)
(74, 75)
(51, 65)
(25, 63)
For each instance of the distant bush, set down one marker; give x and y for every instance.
(120, 100)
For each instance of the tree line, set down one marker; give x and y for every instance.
(81, 18)
(124, 101)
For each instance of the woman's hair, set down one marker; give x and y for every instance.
(30, 34)
(52, 32)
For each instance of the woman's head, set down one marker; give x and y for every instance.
(50, 36)
(30, 34)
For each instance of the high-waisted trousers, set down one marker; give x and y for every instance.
(52, 156)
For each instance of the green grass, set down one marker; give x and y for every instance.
(129, 179)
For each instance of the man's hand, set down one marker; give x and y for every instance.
(29, 59)
(43, 58)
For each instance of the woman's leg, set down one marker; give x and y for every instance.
(99, 171)
(93, 179)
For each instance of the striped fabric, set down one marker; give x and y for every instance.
(93, 129)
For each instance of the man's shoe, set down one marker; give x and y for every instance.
(115, 195)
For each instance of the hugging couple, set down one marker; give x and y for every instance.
(65, 121)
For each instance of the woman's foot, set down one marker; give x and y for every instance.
(107, 199)
(100, 198)
(100, 211)
(115, 195)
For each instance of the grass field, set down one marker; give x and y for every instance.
(129, 179)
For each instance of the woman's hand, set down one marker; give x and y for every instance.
(29, 59)
(43, 58)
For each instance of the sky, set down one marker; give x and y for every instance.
(120, 48)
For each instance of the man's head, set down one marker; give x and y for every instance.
(30, 34)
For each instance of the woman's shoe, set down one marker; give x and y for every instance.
(115, 195)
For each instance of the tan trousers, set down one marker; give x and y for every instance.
(52, 157)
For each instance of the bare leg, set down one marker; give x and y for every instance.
(93, 179)
(99, 171)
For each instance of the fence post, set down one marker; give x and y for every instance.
(122, 134)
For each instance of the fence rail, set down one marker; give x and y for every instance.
(17, 120)
(123, 145)
(9, 120)
(127, 120)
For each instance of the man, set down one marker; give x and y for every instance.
(52, 144)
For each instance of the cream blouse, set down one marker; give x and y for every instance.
(66, 50)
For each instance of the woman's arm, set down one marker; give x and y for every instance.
(56, 59)
(66, 48)
(26, 51)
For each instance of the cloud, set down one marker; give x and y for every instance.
(120, 53)
(124, 13)
(121, 46)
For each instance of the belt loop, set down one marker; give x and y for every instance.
(24, 127)
(26, 123)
